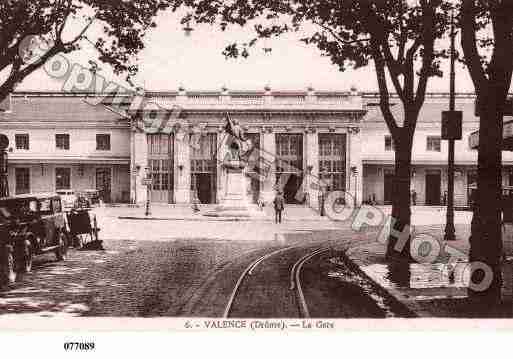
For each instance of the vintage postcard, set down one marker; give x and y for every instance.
(255, 166)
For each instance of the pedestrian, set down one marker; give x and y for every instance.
(414, 197)
(195, 201)
(260, 202)
(445, 198)
(279, 206)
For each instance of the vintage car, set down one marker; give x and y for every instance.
(88, 198)
(30, 224)
(68, 198)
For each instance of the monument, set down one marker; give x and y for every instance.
(235, 201)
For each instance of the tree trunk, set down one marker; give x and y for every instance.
(401, 212)
(3, 95)
(486, 236)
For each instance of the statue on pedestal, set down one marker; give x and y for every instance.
(239, 146)
(236, 201)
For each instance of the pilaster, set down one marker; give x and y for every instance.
(140, 163)
(182, 166)
(312, 166)
(268, 164)
(221, 171)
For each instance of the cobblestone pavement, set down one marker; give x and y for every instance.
(158, 268)
(129, 278)
(149, 268)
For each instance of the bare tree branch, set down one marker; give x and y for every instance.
(469, 45)
(384, 95)
(337, 37)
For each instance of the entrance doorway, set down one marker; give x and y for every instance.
(22, 175)
(203, 183)
(204, 169)
(388, 184)
(103, 183)
(289, 166)
(433, 192)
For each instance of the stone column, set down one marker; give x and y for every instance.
(182, 166)
(355, 160)
(140, 161)
(312, 167)
(222, 137)
(268, 164)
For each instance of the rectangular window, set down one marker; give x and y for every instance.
(62, 141)
(103, 142)
(22, 141)
(332, 161)
(62, 178)
(433, 143)
(389, 143)
(22, 176)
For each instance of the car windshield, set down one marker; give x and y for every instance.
(19, 207)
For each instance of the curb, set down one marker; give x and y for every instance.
(409, 309)
(195, 219)
(216, 219)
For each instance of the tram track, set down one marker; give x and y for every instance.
(295, 277)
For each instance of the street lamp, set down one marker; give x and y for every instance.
(451, 131)
(4, 184)
(324, 188)
(188, 29)
(354, 173)
(148, 182)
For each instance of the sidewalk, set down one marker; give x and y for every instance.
(431, 290)
(186, 213)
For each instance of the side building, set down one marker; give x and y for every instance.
(59, 141)
(430, 152)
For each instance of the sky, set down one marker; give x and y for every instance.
(172, 59)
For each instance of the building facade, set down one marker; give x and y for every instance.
(303, 140)
(430, 153)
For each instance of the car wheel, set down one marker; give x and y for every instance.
(25, 256)
(7, 273)
(62, 251)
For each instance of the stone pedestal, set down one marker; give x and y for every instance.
(236, 201)
(235, 189)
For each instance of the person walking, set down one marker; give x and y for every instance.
(414, 197)
(279, 206)
(195, 201)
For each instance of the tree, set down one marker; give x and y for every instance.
(487, 43)
(63, 26)
(398, 36)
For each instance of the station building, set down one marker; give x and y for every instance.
(84, 140)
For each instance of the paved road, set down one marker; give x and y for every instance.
(169, 269)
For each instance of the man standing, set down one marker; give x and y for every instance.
(279, 205)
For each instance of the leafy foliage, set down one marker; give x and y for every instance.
(397, 35)
(121, 25)
(487, 42)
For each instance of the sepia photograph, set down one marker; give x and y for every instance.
(255, 165)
